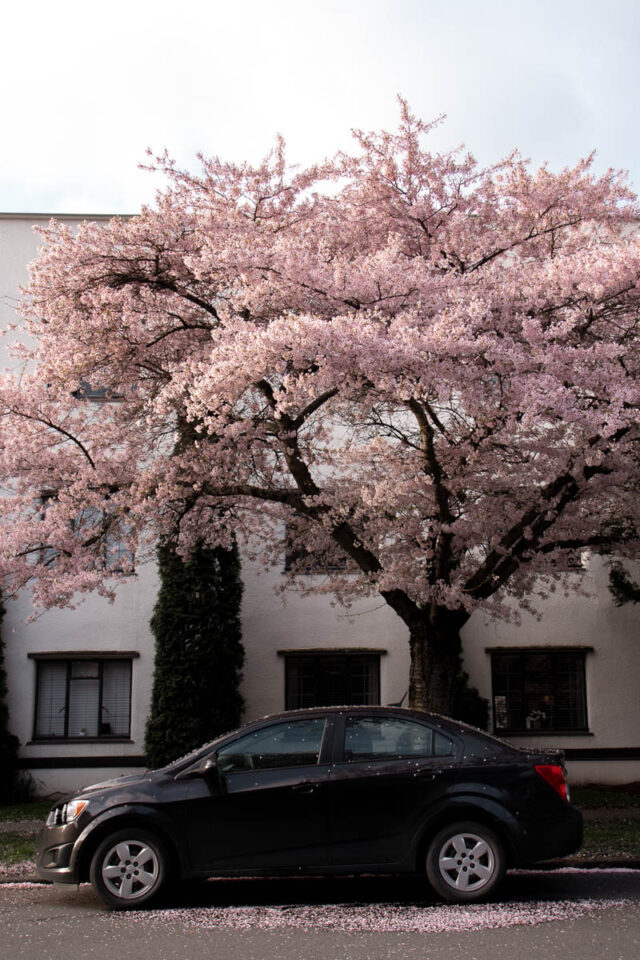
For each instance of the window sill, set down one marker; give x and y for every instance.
(39, 741)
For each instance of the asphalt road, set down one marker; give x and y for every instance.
(582, 915)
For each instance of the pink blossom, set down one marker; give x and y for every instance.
(429, 366)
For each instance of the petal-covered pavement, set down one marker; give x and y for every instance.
(541, 913)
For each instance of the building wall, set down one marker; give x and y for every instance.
(612, 671)
(608, 752)
(18, 249)
(95, 625)
(271, 624)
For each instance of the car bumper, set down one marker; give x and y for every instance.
(56, 860)
(548, 839)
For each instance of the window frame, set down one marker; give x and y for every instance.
(117, 557)
(553, 652)
(69, 659)
(324, 654)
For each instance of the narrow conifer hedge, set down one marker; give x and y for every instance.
(9, 777)
(199, 653)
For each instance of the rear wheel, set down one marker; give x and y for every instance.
(129, 869)
(465, 862)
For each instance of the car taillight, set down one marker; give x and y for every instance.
(554, 775)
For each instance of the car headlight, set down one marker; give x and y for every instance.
(66, 812)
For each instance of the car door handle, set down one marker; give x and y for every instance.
(428, 774)
(305, 787)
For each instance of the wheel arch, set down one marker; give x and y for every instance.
(489, 814)
(121, 821)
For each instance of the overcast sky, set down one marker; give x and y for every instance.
(86, 87)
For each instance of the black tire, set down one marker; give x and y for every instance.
(465, 862)
(130, 869)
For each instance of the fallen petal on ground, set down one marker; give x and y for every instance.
(380, 918)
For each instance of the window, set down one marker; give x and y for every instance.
(569, 561)
(538, 690)
(92, 524)
(96, 394)
(95, 522)
(292, 744)
(83, 698)
(299, 559)
(331, 680)
(386, 738)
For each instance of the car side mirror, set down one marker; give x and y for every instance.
(206, 767)
(209, 767)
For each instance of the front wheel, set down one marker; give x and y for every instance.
(129, 869)
(465, 862)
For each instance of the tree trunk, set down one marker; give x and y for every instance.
(435, 662)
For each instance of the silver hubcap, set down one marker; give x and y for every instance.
(130, 869)
(466, 862)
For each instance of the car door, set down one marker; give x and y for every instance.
(388, 774)
(267, 806)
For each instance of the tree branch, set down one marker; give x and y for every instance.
(47, 423)
(313, 406)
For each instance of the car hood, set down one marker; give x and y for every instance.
(126, 781)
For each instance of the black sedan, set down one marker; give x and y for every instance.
(322, 791)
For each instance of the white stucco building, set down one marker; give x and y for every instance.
(80, 680)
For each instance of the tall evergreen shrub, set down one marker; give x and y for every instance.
(468, 705)
(199, 653)
(9, 777)
(621, 585)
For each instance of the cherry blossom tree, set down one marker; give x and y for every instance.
(425, 367)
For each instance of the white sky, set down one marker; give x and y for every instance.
(86, 87)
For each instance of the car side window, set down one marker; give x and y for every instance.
(386, 738)
(293, 743)
(442, 746)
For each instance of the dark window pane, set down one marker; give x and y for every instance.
(84, 698)
(541, 690)
(98, 394)
(52, 693)
(292, 744)
(327, 681)
(85, 670)
(116, 698)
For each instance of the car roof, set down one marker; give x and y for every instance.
(350, 708)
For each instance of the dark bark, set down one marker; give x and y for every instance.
(435, 657)
(437, 681)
